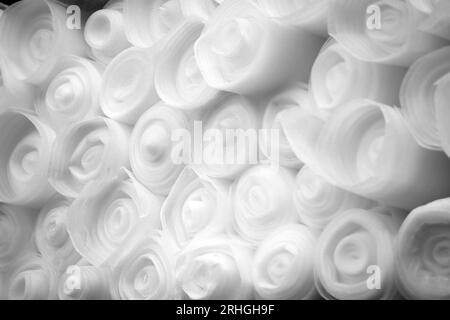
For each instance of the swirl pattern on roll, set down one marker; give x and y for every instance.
(355, 255)
(152, 147)
(359, 149)
(89, 150)
(217, 269)
(147, 272)
(263, 201)
(72, 94)
(283, 264)
(337, 77)
(223, 155)
(317, 201)
(417, 97)
(196, 205)
(26, 143)
(33, 279)
(423, 247)
(37, 30)
(108, 214)
(51, 236)
(128, 87)
(104, 32)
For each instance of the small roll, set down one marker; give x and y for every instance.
(152, 147)
(89, 150)
(84, 282)
(382, 31)
(360, 147)
(32, 279)
(147, 272)
(283, 264)
(338, 77)
(304, 14)
(108, 214)
(104, 32)
(72, 93)
(290, 98)
(128, 88)
(317, 201)
(24, 161)
(243, 51)
(150, 21)
(178, 80)
(417, 97)
(51, 236)
(216, 268)
(422, 257)
(17, 226)
(263, 201)
(195, 205)
(34, 35)
(230, 139)
(355, 255)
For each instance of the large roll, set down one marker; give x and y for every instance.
(356, 255)
(243, 51)
(317, 201)
(150, 21)
(16, 233)
(51, 236)
(152, 147)
(24, 160)
(279, 151)
(216, 268)
(384, 31)
(104, 32)
(366, 148)
(89, 150)
(72, 93)
(108, 214)
(230, 139)
(33, 278)
(128, 87)
(417, 96)
(283, 264)
(178, 80)
(84, 282)
(195, 205)
(304, 14)
(147, 271)
(337, 77)
(34, 36)
(263, 201)
(423, 252)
